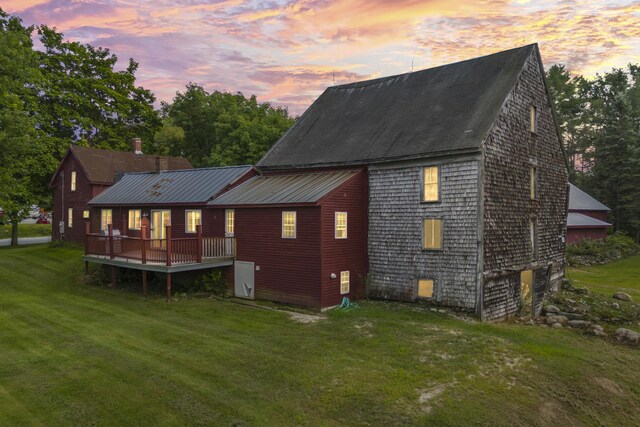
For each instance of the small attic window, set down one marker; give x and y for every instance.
(533, 119)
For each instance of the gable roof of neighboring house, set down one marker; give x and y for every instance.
(446, 109)
(304, 188)
(185, 187)
(578, 220)
(581, 201)
(102, 166)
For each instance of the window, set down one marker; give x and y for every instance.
(193, 219)
(532, 233)
(288, 225)
(105, 219)
(432, 234)
(70, 218)
(73, 180)
(430, 191)
(229, 222)
(425, 288)
(135, 219)
(533, 183)
(533, 119)
(344, 282)
(85, 214)
(341, 225)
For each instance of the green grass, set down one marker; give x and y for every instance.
(26, 230)
(72, 353)
(606, 279)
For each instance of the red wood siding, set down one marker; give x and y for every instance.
(575, 235)
(601, 215)
(348, 254)
(64, 198)
(289, 269)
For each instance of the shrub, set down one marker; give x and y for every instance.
(212, 282)
(589, 251)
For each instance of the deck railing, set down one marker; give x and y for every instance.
(169, 251)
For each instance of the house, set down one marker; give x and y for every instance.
(587, 217)
(300, 238)
(86, 172)
(466, 177)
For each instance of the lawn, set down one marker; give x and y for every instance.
(26, 230)
(622, 275)
(73, 353)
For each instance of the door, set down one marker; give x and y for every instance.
(159, 220)
(244, 285)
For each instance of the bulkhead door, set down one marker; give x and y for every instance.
(244, 279)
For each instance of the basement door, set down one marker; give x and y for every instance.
(244, 283)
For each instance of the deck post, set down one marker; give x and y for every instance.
(168, 287)
(111, 254)
(143, 237)
(113, 277)
(168, 231)
(87, 230)
(199, 243)
(144, 282)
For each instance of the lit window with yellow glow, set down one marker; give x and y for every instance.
(430, 191)
(106, 216)
(344, 282)
(135, 219)
(341, 225)
(425, 288)
(193, 219)
(73, 180)
(432, 234)
(288, 225)
(533, 119)
(229, 221)
(85, 214)
(70, 219)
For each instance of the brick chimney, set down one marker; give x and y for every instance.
(136, 145)
(162, 164)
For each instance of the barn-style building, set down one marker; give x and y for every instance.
(587, 218)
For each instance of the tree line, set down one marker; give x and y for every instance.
(68, 92)
(599, 121)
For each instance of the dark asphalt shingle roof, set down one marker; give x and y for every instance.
(443, 109)
(101, 166)
(283, 189)
(192, 186)
(581, 201)
(577, 220)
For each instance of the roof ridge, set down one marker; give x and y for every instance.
(106, 150)
(187, 170)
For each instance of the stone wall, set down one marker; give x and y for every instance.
(510, 151)
(396, 257)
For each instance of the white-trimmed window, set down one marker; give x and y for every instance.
(70, 217)
(229, 222)
(344, 282)
(193, 218)
(425, 288)
(533, 118)
(341, 225)
(86, 214)
(288, 224)
(73, 180)
(430, 183)
(135, 219)
(533, 183)
(432, 233)
(106, 216)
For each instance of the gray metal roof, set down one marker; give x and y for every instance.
(443, 109)
(581, 201)
(577, 220)
(283, 189)
(170, 187)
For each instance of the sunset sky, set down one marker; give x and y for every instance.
(287, 52)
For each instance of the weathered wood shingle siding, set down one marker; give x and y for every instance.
(509, 152)
(396, 257)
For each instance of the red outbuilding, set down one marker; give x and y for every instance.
(587, 217)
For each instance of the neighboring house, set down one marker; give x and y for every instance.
(85, 172)
(587, 218)
(301, 238)
(467, 179)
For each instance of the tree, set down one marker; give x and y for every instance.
(223, 128)
(19, 155)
